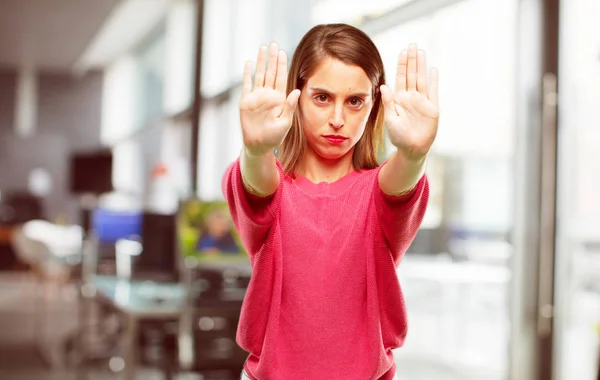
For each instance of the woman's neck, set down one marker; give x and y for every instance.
(318, 169)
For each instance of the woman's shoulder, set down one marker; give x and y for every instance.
(370, 172)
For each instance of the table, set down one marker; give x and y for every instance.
(137, 300)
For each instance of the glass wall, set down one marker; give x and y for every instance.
(577, 284)
(147, 93)
(151, 58)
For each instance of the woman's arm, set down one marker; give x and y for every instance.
(400, 175)
(252, 215)
(400, 216)
(411, 117)
(250, 184)
(266, 116)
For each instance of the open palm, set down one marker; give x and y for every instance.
(412, 113)
(265, 111)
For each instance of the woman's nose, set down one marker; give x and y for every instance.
(337, 118)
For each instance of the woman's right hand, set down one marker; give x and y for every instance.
(265, 112)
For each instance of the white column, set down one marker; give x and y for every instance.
(26, 111)
(180, 56)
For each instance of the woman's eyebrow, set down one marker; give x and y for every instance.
(322, 90)
(317, 89)
(360, 95)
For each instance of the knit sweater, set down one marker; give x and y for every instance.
(324, 301)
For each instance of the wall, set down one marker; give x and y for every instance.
(68, 118)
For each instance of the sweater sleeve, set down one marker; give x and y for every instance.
(400, 217)
(252, 215)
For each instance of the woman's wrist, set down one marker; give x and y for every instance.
(259, 172)
(400, 175)
(258, 153)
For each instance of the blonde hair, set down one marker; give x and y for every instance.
(352, 47)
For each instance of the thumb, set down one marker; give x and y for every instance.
(388, 99)
(290, 104)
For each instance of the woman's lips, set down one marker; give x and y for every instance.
(335, 139)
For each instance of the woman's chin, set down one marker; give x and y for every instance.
(329, 152)
(333, 153)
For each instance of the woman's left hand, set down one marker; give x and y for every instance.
(412, 113)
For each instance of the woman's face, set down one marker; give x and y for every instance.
(335, 105)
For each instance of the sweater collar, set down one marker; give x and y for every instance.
(325, 188)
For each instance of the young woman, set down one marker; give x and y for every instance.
(325, 226)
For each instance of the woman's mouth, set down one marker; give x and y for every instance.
(335, 139)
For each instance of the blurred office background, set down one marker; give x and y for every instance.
(141, 96)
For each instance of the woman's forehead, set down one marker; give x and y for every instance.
(336, 76)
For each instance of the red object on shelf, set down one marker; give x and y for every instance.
(159, 170)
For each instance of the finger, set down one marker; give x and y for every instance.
(388, 100)
(290, 105)
(272, 65)
(247, 79)
(261, 63)
(281, 81)
(433, 92)
(421, 72)
(411, 71)
(401, 71)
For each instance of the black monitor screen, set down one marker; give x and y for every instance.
(159, 250)
(91, 173)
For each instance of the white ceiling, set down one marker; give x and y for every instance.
(49, 34)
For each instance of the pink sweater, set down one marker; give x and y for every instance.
(324, 301)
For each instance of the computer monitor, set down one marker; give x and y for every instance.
(206, 232)
(91, 172)
(159, 258)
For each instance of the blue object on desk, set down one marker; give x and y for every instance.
(110, 226)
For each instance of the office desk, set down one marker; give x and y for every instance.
(142, 298)
(137, 300)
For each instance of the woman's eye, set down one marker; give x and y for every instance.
(355, 102)
(321, 98)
